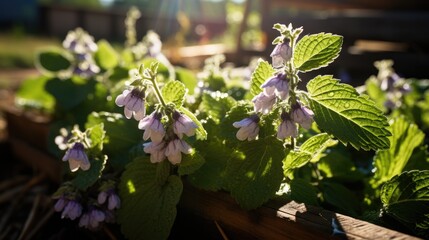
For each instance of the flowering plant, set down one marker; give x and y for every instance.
(274, 140)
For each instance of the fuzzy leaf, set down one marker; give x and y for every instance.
(262, 72)
(106, 57)
(309, 150)
(254, 172)
(174, 91)
(190, 163)
(216, 104)
(97, 134)
(316, 51)
(391, 162)
(406, 199)
(149, 197)
(85, 179)
(52, 60)
(340, 111)
(200, 131)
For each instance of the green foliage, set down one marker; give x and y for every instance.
(405, 138)
(341, 198)
(70, 92)
(216, 105)
(52, 61)
(149, 197)
(405, 198)
(96, 135)
(303, 192)
(85, 179)
(201, 132)
(188, 78)
(106, 57)
(316, 51)
(340, 111)
(254, 172)
(262, 72)
(190, 163)
(174, 92)
(32, 94)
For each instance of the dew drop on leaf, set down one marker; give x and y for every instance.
(347, 105)
(331, 94)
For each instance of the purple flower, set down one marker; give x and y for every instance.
(302, 115)
(72, 210)
(287, 127)
(263, 103)
(79, 42)
(249, 128)
(183, 125)
(153, 127)
(133, 102)
(282, 53)
(86, 68)
(60, 204)
(156, 151)
(174, 150)
(278, 85)
(77, 158)
(113, 200)
(92, 219)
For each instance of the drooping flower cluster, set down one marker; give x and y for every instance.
(281, 54)
(82, 46)
(77, 157)
(133, 102)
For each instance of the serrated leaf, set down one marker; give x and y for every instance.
(216, 105)
(53, 60)
(149, 197)
(340, 111)
(174, 92)
(32, 94)
(85, 179)
(309, 150)
(303, 192)
(237, 113)
(405, 138)
(97, 134)
(106, 57)
(406, 199)
(188, 78)
(262, 72)
(190, 163)
(338, 164)
(200, 131)
(316, 51)
(254, 172)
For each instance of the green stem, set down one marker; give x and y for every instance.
(157, 91)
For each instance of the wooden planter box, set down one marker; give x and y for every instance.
(273, 220)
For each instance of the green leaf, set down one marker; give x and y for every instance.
(303, 192)
(237, 113)
(149, 196)
(405, 198)
(85, 179)
(374, 91)
(174, 92)
(262, 72)
(71, 92)
(340, 111)
(97, 134)
(254, 172)
(338, 164)
(405, 138)
(106, 57)
(188, 78)
(32, 94)
(316, 51)
(310, 150)
(190, 163)
(53, 60)
(216, 105)
(341, 198)
(200, 131)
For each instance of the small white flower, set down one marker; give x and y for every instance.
(278, 85)
(133, 102)
(249, 128)
(183, 125)
(302, 115)
(287, 127)
(77, 158)
(174, 150)
(156, 151)
(263, 103)
(281, 54)
(152, 127)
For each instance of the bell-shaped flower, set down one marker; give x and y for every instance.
(133, 102)
(278, 84)
(92, 219)
(183, 125)
(174, 150)
(60, 204)
(152, 127)
(287, 127)
(113, 200)
(281, 54)
(77, 158)
(263, 103)
(249, 128)
(72, 210)
(302, 115)
(156, 151)
(79, 42)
